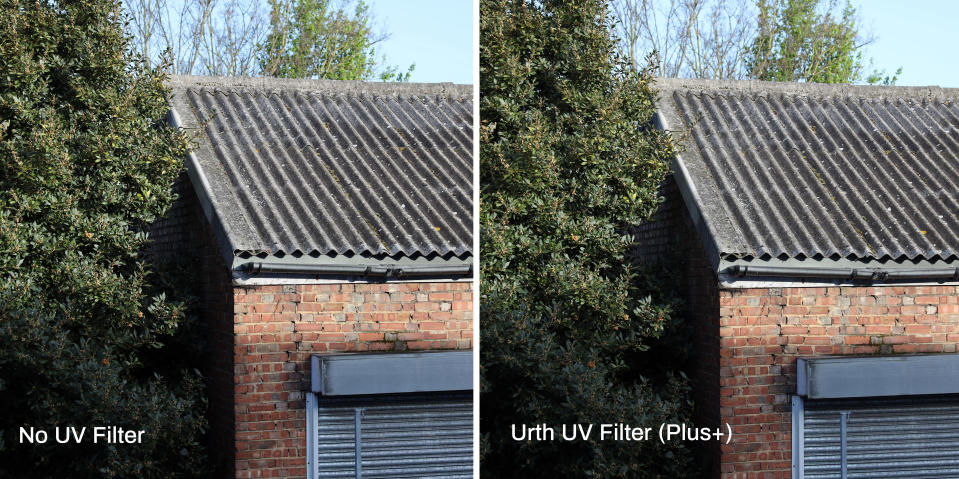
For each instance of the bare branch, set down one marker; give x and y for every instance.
(692, 38)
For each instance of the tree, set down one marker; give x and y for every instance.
(331, 39)
(201, 37)
(691, 38)
(799, 40)
(319, 39)
(89, 162)
(781, 40)
(569, 159)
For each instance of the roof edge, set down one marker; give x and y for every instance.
(201, 187)
(847, 273)
(691, 198)
(447, 90)
(843, 272)
(931, 92)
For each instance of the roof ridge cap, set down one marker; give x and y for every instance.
(347, 87)
(810, 89)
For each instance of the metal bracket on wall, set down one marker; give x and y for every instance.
(311, 412)
(358, 441)
(843, 417)
(798, 436)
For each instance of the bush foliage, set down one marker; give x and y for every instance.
(88, 162)
(569, 160)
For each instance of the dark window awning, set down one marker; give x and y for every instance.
(392, 373)
(859, 377)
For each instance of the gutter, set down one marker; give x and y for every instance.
(866, 274)
(378, 270)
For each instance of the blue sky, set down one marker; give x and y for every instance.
(437, 35)
(918, 36)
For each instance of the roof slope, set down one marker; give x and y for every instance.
(787, 170)
(320, 167)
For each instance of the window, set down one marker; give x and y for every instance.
(391, 416)
(889, 417)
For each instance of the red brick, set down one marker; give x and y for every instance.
(273, 347)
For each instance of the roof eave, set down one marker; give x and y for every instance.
(691, 198)
(201, 186)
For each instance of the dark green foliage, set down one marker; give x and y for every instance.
(88, 163)
(569, 159)
(323, 39)
(802, 40)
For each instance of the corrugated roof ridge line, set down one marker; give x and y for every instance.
(821, 230)
(880, 183)
(368, 179)
(334, 169)
(333, 204)
(349, 87)
(293, 173)
(774, 197)
(909, 172)
(738, 218)
(261, 224)
(201, 185)
(250, 119)
(468, 135)
(211, 117)
(799, 131)
(434, 166)
(944, 176)
(263, 180)
(385, 183)
(834, 124)
(464, 171)
(708, 227)
(454, 141)
(783, 203)
(292, 220)
(847, 227)
(426, 236)
(831, 163)
(427, 160)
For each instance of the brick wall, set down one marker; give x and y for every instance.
(763, 331)
(746, 341)
(183, 239)
(259, 339)
(277, 328)
(671, 238)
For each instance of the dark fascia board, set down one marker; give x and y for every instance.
(390, 373)
(877, 376)
(348, 268)
(838, 270)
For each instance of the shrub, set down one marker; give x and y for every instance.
(88, 163)
(569, 160)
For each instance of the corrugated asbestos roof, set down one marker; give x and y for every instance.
(787, 170)
(334, 167)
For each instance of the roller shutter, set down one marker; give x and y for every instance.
(401, 436)
(909, 437)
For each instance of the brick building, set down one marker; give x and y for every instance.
(816, 229)
(329, 227)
